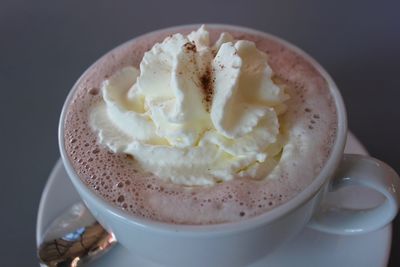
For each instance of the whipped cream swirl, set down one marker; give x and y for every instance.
(195, 113)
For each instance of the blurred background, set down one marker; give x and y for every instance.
(46, 45)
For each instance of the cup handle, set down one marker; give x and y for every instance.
(363, 171)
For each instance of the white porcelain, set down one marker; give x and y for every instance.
(244, 242)
(309, 248)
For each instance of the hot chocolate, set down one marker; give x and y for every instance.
(308, 129)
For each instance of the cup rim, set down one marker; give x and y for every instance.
(222, 228)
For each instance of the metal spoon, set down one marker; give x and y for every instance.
(74, 238)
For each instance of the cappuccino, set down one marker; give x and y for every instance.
(307, 129)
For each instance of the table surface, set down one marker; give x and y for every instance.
(46, 45)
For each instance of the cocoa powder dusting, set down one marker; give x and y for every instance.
(207, 85)
(190, 47)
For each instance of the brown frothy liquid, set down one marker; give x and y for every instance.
(309, 126)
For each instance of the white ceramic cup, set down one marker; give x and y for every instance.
(243, 242)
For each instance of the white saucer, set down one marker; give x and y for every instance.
(309, 248)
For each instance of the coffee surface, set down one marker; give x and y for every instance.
(309, 126)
